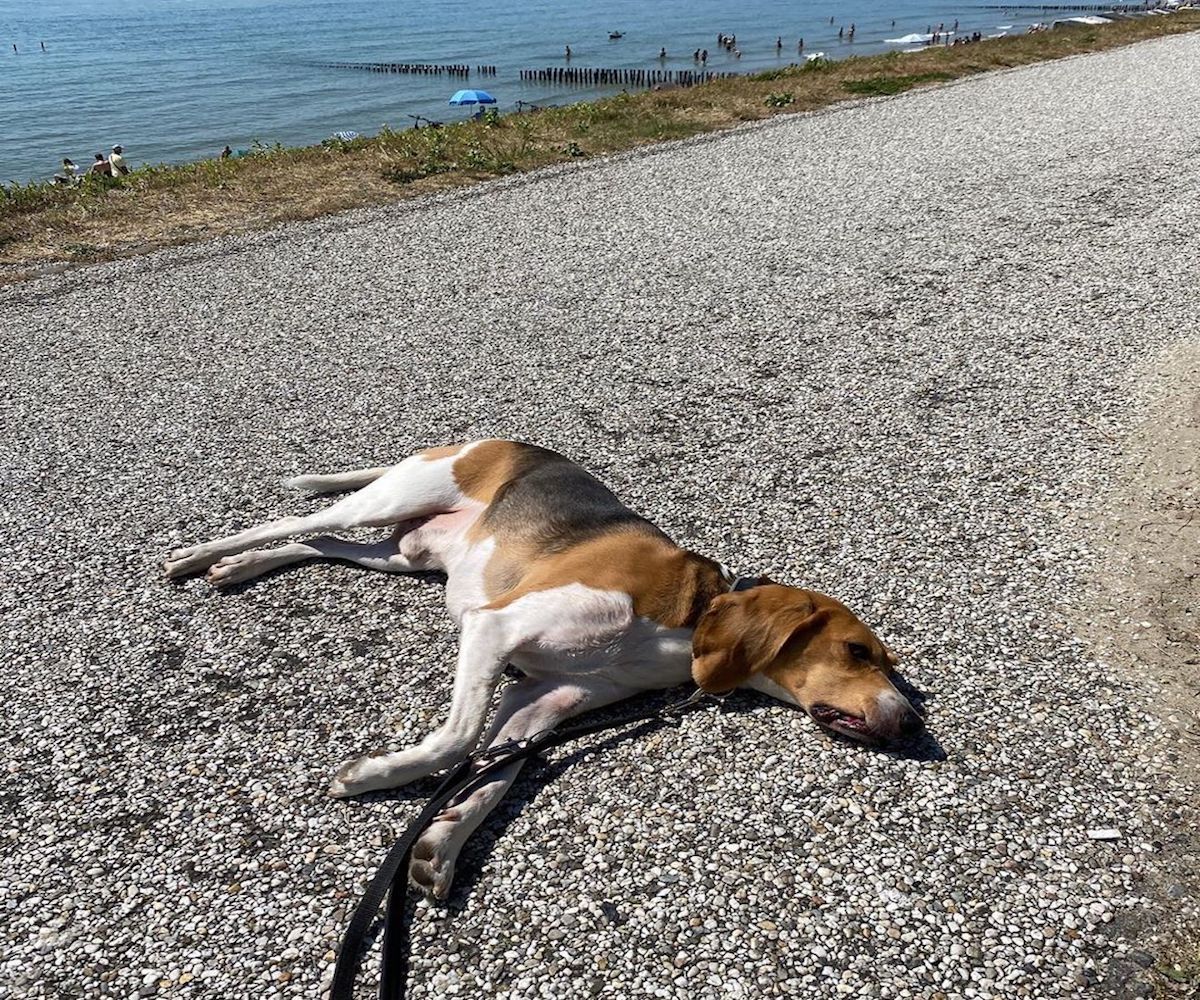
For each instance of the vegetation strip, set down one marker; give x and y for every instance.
(156, 206)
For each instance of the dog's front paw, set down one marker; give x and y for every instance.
(433, 856)
(382, 769)
(376, 770)
(361, 774)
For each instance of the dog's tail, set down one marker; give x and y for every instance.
(337, 482)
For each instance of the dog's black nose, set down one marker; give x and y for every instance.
(911, 726)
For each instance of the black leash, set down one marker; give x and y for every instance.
(390, 878)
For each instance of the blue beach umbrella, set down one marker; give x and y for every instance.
(472, 97)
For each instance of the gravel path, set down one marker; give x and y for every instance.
(883, 351)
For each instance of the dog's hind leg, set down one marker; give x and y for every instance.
(337, 482)
(527, 708)
(384, 556)
(419, 486)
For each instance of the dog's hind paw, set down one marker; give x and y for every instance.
(234, 570)
(184, 562)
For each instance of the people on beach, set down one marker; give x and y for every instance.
(70, 173)
(704, 57)
(116, 162)
(852, 29)
(100, 166)
(227, 152)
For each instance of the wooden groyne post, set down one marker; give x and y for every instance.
(602, 77)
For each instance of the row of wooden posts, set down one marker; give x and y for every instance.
(551, 74)
(423, 69)
(1113, 8)
(633, 77)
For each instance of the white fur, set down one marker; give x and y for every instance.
(764, 685)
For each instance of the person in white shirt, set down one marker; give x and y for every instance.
(117, 162)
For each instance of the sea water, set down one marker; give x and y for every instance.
(175, 80)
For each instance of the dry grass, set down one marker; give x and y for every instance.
(162, 206)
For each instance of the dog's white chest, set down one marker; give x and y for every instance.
(581, 631)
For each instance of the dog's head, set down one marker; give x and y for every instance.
(808, 649)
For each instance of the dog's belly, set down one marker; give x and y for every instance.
(643, 654)
(441, 543)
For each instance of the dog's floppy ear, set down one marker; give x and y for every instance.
(742, 633)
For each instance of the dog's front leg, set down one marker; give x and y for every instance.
(488, 638)
(527, 708)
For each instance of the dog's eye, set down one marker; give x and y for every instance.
(859, 651)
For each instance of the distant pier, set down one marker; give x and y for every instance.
(621, 77)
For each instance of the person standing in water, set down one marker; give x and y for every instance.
(568, 53)
(662, 53)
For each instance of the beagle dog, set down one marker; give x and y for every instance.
(548, 571)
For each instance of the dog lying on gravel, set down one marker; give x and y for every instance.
(548, 571)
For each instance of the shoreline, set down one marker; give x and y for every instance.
(45, 228)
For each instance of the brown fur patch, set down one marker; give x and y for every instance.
(668, 585)
(443, 451)
(482, 471)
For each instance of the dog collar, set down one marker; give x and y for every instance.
(745, 583)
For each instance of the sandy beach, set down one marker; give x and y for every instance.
(894, 351)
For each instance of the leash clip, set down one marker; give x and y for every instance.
(695, 698)
(499, 749)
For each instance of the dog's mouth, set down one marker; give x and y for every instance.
(842, 722)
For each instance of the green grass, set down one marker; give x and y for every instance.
(881, 86)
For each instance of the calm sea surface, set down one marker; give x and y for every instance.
(178, 79)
